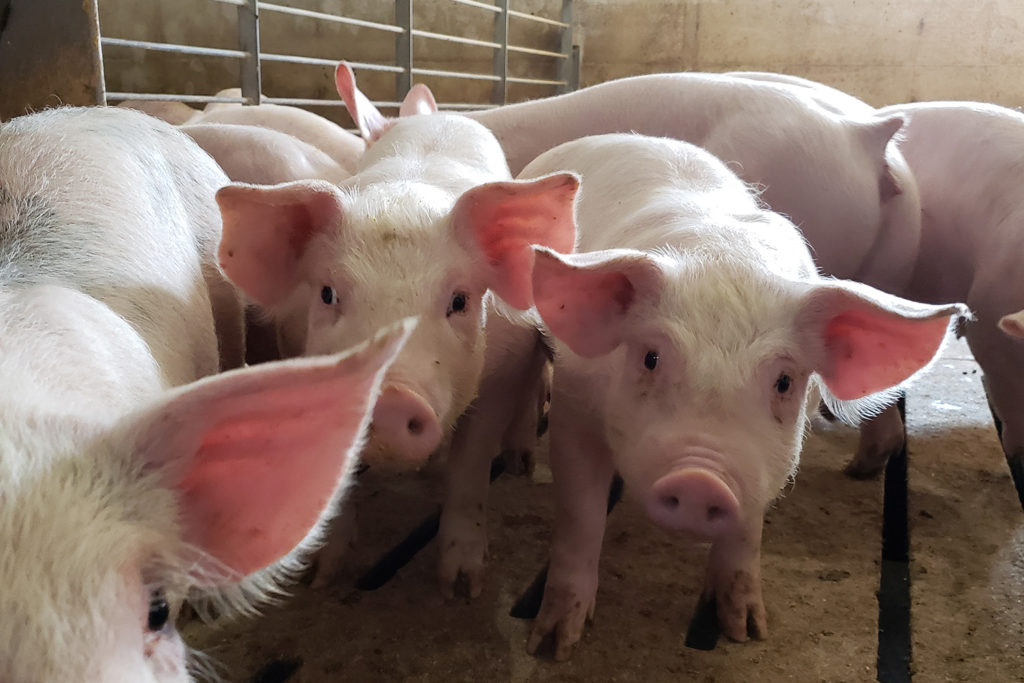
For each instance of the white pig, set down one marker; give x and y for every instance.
(687, 330)
(340, 145)
(429, 224)
(837, 176)
(177, 113)
(966, 157)
(263, 156)
(119, 493)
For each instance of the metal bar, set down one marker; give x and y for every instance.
(567, 68)
(172, 47)
(454, 74)
(532, 17)
(170, 97)
(309, 14)
(499, 93)
(535, 81)
(403, 47)
(534, 51)
(249, 42)
(238, 3)
(456, 39)
(479, 5)
(49, 55)
(307, 102)
(317, 61)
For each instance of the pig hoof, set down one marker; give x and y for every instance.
(741, 611)
(461, 570)
(870, 460)
(861, 470)
(825, 412)
(563, 615)
(518, 462)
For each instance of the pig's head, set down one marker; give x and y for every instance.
(215, 491)
(331, 263)
(707, 360)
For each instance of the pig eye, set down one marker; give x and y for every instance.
(651, 360)
(159, 611)
(458, 303)
(783, 383)
(328, 295)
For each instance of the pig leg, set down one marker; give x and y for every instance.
(340, 539)
(734, 582)
(1000, 357)
(511, 362)
(581, 463)
(881, 437)
(520, 439)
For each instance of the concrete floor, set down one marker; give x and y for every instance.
(821, 572)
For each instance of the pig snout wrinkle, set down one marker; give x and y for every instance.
(695, 500)
(405, 425)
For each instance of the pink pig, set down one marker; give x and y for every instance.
(688, 328)
(430, 225)
(126, 481)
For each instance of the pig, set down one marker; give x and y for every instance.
(432, 225)
(177, 113)
(687, 329)
(822, 158)
(130, 476)
(839, 177)
(263, 156)
(965, 156)
(336, 142)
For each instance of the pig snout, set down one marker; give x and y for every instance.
(695, 498)
(405, 426)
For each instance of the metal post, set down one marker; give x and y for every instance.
(569, 68)
(403, 48)
(249, 42)
(49, 55)
(499, 94)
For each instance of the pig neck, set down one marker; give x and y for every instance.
(686, 107)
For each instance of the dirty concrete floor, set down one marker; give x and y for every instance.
(821, 571)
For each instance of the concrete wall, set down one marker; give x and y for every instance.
(880, 50)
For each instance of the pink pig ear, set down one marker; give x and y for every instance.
(501, 220)
(865, 341)
(419, 100)
(266, 231)
(372, 124)
(585, 299)
(1013, 324)
(257, 454)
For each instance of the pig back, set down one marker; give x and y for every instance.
(121, 207)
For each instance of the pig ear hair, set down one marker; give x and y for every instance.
(419, 100)
(258, 457)
(499, 221)
(1013, 324)
(863, 342)
(585, 299)
(372, 124)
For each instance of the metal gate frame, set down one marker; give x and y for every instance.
(61, 62)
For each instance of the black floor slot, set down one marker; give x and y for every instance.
(894, 636)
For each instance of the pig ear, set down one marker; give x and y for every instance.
(585, 299)
(863, 341)
(876, 136)
(266, 231)
(257, 454)
(1013, 324)
(372, 124)
(501, 220)
(419, 100)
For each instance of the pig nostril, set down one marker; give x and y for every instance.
(715, 512)
(670, 502)
(415, 426)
